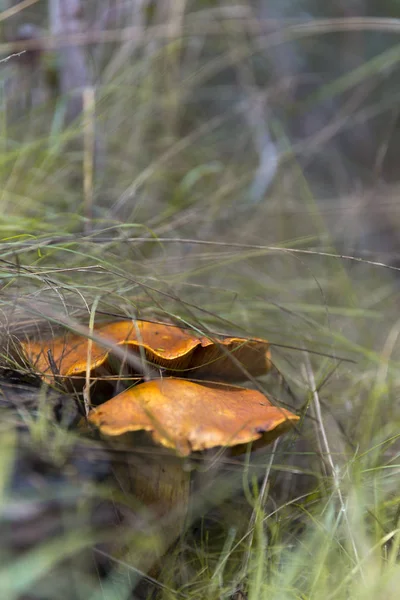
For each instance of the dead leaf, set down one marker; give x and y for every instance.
(188, 417)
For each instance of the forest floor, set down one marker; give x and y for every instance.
(152, 220)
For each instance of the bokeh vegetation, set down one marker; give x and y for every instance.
(232, 167)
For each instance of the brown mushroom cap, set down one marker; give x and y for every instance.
(168, 346)
(189, 417)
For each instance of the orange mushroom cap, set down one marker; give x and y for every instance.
(189, 417)
(167, 346)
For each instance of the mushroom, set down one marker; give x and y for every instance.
(177, 351)
(184, 418)
(181, 417)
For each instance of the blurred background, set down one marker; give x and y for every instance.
(209, 163)
(292, 103)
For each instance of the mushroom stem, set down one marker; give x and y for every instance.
(156, 485)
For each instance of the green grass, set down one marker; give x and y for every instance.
(165, 230)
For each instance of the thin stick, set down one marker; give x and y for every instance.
(13, 10)
(263, 27)
(54, 369)
(15, 55)
(86, 390)
(88, 154)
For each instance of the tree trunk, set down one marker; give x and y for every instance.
(67, 18)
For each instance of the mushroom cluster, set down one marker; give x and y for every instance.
(177, 351)
(185, 397)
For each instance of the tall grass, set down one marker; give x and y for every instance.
(166, 227)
